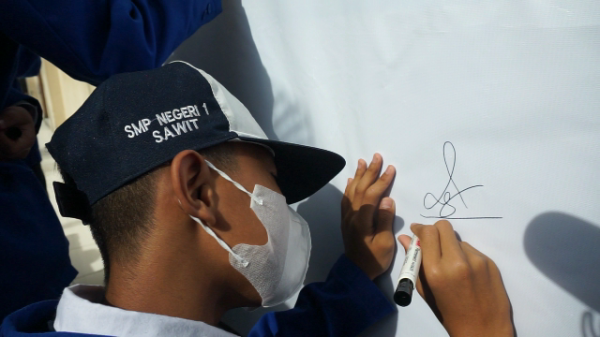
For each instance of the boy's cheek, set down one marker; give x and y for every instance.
(245, 227)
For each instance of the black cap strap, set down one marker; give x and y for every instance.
(72, 203)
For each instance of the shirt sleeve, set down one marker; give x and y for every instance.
(92, 40)
(344, 305)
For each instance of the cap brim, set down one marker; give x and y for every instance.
(301, 170)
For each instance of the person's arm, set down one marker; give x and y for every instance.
(92, 40)
(348, 302)
(462, 286)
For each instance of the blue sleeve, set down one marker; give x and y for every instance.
(92, 40)
(344, 305)
(34, 253)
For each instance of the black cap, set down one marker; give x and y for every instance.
(403, 294)
(134, 122)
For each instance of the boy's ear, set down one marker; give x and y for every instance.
(191, 181)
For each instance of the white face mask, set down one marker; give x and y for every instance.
(278, 268)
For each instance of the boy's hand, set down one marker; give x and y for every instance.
(367, 218)
(17, 133)
(462, 286)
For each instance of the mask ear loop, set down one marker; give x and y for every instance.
(219, 240)
(235, 183)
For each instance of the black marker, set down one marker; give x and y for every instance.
(409, 273)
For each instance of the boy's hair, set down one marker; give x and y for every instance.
(123, 220)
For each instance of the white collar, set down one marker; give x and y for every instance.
(79, 310)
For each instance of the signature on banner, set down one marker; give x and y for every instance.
(444, 203)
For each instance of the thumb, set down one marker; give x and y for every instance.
(404, 241)
(385, 215)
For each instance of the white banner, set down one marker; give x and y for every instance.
(490, 111)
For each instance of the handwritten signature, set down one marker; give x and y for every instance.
(447, 210)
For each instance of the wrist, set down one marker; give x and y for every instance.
(362, 266)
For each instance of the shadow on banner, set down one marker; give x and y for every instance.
(567, 250)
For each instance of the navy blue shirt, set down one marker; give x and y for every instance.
(90, 41)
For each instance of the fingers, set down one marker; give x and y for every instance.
(430, 243)
(15, 116)
(17, 133)
(368, 238)
(360, 171)
(15, 149)
(448, 242)
(375, 191)
(404, 241)
(368, 178)
(351, 186)
(346, 198)
(365, 188)
(385, 217)
(373, 196)
(383, 235)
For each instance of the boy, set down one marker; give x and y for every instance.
(187, 201)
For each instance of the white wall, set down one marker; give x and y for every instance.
(514, 85)
(62, 95)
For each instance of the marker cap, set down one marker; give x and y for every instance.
(403, 294)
